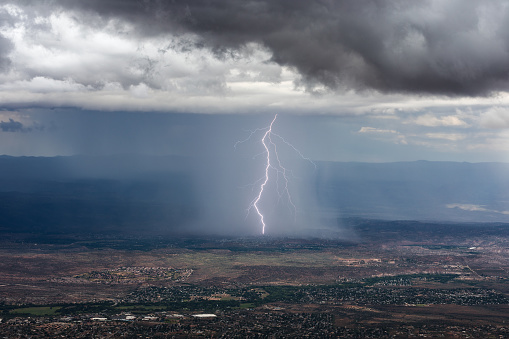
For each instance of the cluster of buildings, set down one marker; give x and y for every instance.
(241, 323)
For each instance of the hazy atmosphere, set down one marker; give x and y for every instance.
(133, 88)
(254, 169)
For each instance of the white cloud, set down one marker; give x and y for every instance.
(431, 120)
(387, 134)
(468, 207)
(475, 208)
(43, 85)
(140, 91)
(446, 136)
(377, 130)
(496, 117)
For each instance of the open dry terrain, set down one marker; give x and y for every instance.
(384, 285)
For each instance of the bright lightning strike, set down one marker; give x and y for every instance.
(273, 165)
(267, 167)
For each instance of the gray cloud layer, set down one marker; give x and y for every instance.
(5, 48)
(431, 47)
(11, 126)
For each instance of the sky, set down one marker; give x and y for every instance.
(351, 80)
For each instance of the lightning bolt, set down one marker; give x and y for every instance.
(267, 167)
(273, 164)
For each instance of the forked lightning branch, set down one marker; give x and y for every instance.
(274, 170)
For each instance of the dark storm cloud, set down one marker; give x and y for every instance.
(443, 47)
(17, 126)
(11, 126)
